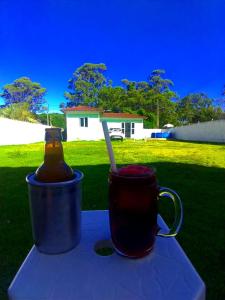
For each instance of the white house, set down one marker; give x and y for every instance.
(84, 123)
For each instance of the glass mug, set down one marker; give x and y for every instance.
(133, 209)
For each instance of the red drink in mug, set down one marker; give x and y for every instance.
(133, 209)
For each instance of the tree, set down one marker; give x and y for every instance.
(142, 97)
(18, 111)
(112, 98)
(56, 119)
(220, 102)
(23, 90)
(185, 110)
(160, 88)
(197, 107)
(85, 84)
(130, 85)
(223, 91)
(152, 99)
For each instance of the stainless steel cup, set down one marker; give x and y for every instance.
(55, 213)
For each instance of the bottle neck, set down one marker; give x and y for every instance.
(53, 152)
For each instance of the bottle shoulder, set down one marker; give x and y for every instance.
(54, 172)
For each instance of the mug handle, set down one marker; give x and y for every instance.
(173, 231)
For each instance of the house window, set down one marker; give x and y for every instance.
(132, 127)
(83, 122)
(123, 127)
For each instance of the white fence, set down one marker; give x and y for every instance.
(213, 131)
(147, 133)
(14, 132)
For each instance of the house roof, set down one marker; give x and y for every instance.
(82, 108)
(121, 115)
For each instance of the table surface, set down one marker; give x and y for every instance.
(166, 273)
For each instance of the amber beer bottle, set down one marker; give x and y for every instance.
(54, 168)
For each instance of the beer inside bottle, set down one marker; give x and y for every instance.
(54, 168)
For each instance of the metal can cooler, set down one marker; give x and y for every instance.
(55, 213)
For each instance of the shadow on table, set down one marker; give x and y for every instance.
(202, 235)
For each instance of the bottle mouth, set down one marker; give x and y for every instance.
(78, 176)
(53, 134)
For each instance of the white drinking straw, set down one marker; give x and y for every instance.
(109, 146)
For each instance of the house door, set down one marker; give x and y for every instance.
(127, 130)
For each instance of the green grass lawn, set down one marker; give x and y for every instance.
(195, 170)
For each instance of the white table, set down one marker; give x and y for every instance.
(166, 273)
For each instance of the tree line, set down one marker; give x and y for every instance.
(154, 98)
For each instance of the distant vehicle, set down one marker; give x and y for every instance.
(168, 126)
(116, 134)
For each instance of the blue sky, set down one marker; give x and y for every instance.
(47, 40)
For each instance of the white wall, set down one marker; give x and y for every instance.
(94, 130)
(213, 131)
(14, 132)
(147, 133)
(76, 132)
(138, 129)
(114, 125)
